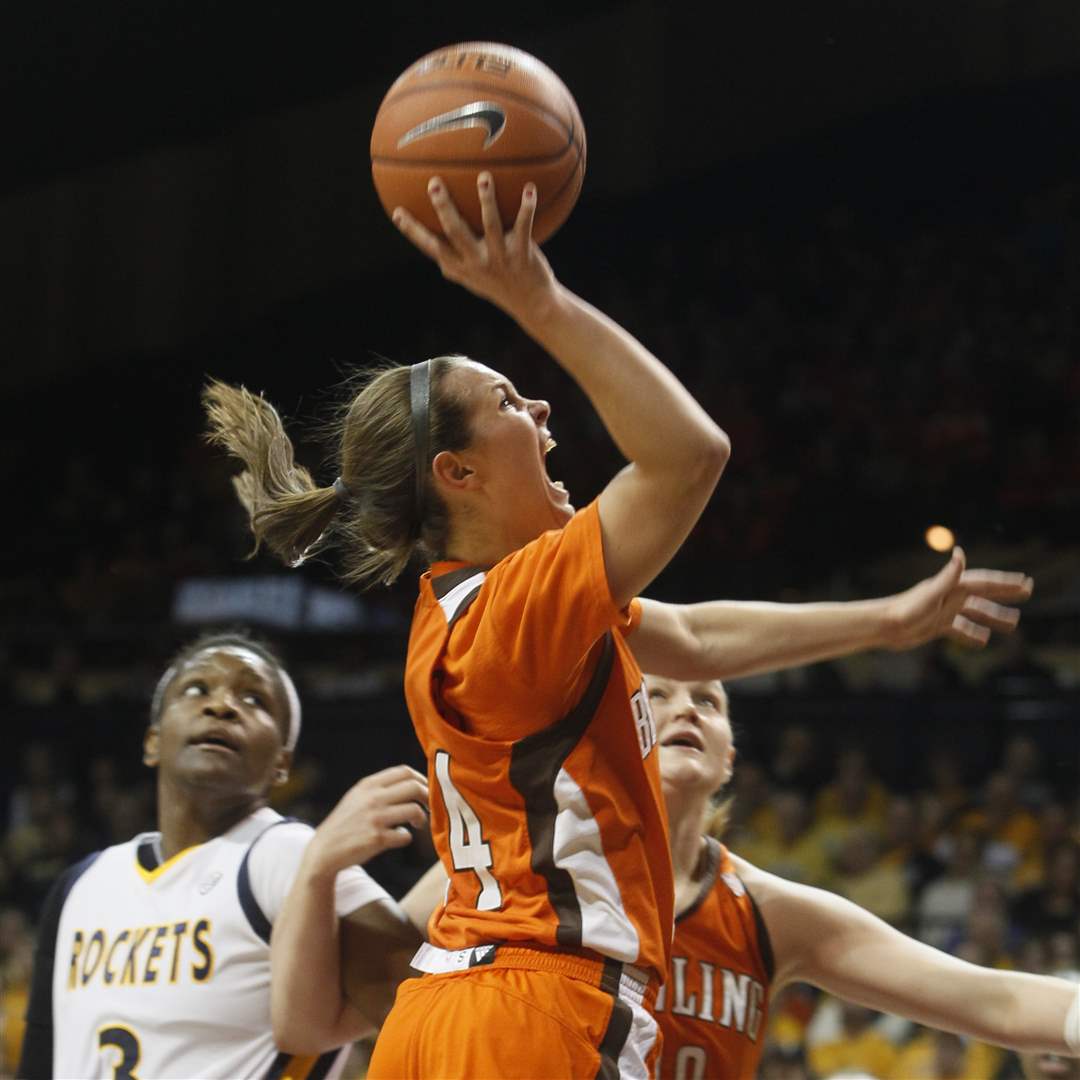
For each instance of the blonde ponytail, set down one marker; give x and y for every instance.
(288, 513)
(373, 508)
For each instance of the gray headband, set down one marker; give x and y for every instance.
(419, 403)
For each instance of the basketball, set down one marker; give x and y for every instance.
(474, 106)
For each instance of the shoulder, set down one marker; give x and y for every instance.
(49, 919)
(72, 874)
(777, 898)
(272, 837)
(572, 553)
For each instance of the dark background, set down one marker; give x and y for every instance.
(850, 227)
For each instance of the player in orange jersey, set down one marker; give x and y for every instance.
(521, 679)
(741, 934)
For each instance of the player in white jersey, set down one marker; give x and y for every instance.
(153, 956)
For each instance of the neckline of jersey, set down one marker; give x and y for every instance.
(151, 875)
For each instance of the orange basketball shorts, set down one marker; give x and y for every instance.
(521, 1013)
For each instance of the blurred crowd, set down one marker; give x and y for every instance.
(984, 867)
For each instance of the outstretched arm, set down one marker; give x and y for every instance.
(726, 639)
(332, 980)
(829, 942)
(676, 452)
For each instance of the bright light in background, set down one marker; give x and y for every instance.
(940, 538)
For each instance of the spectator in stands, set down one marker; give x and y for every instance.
(945, 780)
(854, 799)
(795, 851)
(985, 940)
(39, 772)
(853, 1043)
(16, 963)
(940, 1055)
(1022, 762)
(798, 761)
(1055, 905)
(866, 879)
(1010, 832)
(943, 908)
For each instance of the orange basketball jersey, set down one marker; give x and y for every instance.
(546, 807)
(714, 1007)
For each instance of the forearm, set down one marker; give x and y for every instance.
(727, 639)
(850, 953)
(425, 896)
(1006, 1008)
(652, 418)
(308, 1006)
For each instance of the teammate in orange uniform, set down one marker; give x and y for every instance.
(548, 814)
(741, 933)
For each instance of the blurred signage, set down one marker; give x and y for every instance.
(283, 602)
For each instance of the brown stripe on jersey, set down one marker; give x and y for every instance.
(535, 762)
(463, 606)
(442, 584)
(619, 1023)
(763, 939)
(712, 865)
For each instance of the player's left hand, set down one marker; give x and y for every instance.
(372, 817)
(967, 606)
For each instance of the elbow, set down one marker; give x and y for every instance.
(297, 1034)
(288, 1039)
(291, 1037)
(721, 451)
(711, 457)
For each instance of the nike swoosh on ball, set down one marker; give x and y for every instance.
(484, 114)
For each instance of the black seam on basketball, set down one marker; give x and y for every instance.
(520, 98)
(575, 171)
(472, 162)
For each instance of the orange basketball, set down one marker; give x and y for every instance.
(476, 106)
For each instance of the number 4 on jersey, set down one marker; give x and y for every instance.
(468, 850)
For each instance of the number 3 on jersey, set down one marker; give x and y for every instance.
(468, 849)
(121, 1038)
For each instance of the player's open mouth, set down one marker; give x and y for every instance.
(215, 740)
(685, 737)
(558, 485)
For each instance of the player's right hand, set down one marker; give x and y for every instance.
(371, 817)
(503, 266)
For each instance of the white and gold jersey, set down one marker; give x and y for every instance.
(162, 968)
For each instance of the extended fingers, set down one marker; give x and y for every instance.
(457, 232)
(523, 224)
(489, 213)
(393, 773)
(434, 247)
(987, 613)
(998, 584)
(967, 632)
